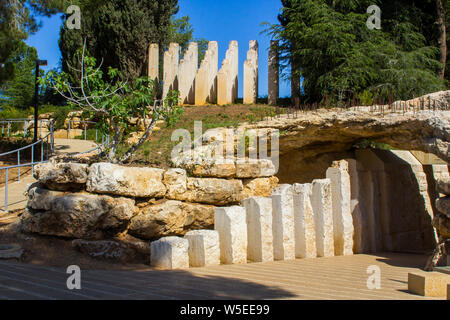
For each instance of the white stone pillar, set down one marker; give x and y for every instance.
(206, 77)
(304, 228)
(274, 73)
(259, 229)
(171, 63)
(232, 227)
(153, 61)
(283, 223)
(323, 217)
(342, 216)
(170, 253)
(227, 79)
(187, 73)
(251, 74)
(355, 206)
(204, 248)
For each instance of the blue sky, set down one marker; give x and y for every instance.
(217, 20)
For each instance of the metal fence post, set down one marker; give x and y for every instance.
(6, 191)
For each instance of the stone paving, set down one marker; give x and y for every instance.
(334, 278)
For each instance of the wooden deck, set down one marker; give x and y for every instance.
(336, 278)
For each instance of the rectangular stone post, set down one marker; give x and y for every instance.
(342, 216)
(153, 61)
(323, 217)
(232, 227)
(283, 223)
(227, 80)
(204, 248)
(187, 72)
(170, 253)
(355, 206)
(259, 229)
(171, 64)
(251, 74)
(305, 233)
(274, 73)
(206, 77)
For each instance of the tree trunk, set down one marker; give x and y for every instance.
(442, 36)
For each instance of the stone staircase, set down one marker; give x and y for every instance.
(296, 221)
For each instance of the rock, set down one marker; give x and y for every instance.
(204, 248)
(62, 176)
(175, 181)
(105, 249)
(251, 168)
(443, 226)
(259, 229)
(443, 206)
(10, 251)
(283, 223)
(217, 170)
(260, 187)
(76, 215)
(443, 185)
(218, 192)
(232, 227)
(139, 246)
(170, 253)
(107, 178)
(171, 218)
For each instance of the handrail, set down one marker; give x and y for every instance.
(26, 147)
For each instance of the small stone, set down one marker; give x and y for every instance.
(175, 181)
(204, 248)
(443, 185)
(255, 168)
(10, 251)
(170, 253)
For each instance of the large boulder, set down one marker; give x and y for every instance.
(443, 185)
(443, 206)
(171, 218)
(260, 187)
(217, 192)
(62, 176)
(76, 215)
(107, 178)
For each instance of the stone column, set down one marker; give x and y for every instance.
(204, 248)
(206, 77)
(170, 253)
(187, 72)
(251, 74)
(305, 233)
(323, 217)
(259, 229)
(355, 206)
(153, 61)
(171, 63)
(227, 79)
(274, 73)
(283, 223)
(342, 216)
(232, 227)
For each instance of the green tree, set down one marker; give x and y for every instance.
(19, 92)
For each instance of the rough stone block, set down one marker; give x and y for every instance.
(342, 216)
(283, 223)
(62, 176)
(175, 181)
(232, 227)
(260, 187)
(305, 233)
(323, 217)
(259, 229)
(428, 284)
(204, 248)
(153, 61)
(255, 168)
(170, 253)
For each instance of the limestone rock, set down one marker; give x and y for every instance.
(283, 223)
(259, 229)
(443, 185)
(204, 248)
(259, 187)
(105, 249)
(442, 224)
(213, 191)
(171, 218)
(443, 205)
(170, 253)
(62, 176)
(255, 168)
(218, 170)
(107, 178)
(76, 215)
(175, 181)
(232, 227)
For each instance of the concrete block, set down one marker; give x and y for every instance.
(170, 253)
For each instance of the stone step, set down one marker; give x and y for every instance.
(428, 284)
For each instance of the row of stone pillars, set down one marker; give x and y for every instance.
(297, 221)
(208, 84)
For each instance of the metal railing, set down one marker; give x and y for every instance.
(7, 129)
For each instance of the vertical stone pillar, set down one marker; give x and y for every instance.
(187, 73)
(305, 233)
(227, 79)
(206, 77)
(274, 73)
(283, 223)
(232, 227)
(170, 253)
(153, 61)
(355, 206)
(323, 217)
(342, 217)
(259, 229)
(204, 248)
(251, 74)
(171, 63)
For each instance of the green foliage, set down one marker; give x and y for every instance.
(181, 32)
(175, 111)
(341, 58)
(370, 144)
